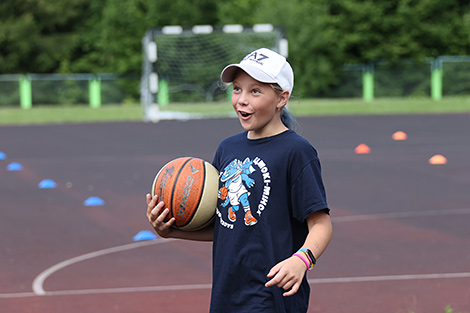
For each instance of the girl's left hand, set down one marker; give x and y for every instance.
(287, 274)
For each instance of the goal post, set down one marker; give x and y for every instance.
(183, 64)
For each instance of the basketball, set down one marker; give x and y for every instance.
(189, 188)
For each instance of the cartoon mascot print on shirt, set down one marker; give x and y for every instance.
(234, 192)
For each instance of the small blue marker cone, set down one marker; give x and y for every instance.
(93, 201)
(3, 156)
(14, 167)
(47, 184)
(145, 235)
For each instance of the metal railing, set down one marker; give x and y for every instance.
(435, 78)
(91, 89)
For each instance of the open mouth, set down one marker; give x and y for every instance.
(244, 114)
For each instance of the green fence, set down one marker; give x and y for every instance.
(435, 78)
(68, 89)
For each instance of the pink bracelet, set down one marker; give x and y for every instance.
(303, 259)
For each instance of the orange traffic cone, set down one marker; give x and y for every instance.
(362, 149)
(399, 135)
(437, 160)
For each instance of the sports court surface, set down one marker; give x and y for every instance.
(401, 239)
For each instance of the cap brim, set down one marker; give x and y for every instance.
(228, 73)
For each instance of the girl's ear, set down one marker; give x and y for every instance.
(283, 97)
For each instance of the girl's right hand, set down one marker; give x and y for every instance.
(157, 215)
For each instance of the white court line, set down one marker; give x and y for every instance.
(359, 279)
(17, 295)
(368, 217)
(39, 280)
(382, 278)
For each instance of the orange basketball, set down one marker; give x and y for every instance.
(189, 188)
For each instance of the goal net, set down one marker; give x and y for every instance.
(184, 64)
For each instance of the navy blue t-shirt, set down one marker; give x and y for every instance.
(278, 180)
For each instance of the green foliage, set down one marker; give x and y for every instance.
(104, 36)
(324, 35)
(56, 36)
(37, 35)
(410, 79)
(313, 52)
(53, 92)
(456, 78)
(241, 11)
(119, 25)
(397, 29)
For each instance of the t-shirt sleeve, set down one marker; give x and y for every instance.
(216, 159)
(308, 192)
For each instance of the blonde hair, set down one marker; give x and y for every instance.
(286, 116)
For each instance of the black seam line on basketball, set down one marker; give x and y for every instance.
(200, 194)
(174, 186)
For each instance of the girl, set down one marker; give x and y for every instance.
(272, 216)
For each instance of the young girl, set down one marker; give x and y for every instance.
(272, 219)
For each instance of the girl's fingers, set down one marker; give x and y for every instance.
(151, 202)
(291, 292)
(158, 216)
(154, 211)
(162, 216)
(276, 280)
(274, 270)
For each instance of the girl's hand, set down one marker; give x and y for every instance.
(156, 216)
(287, 274)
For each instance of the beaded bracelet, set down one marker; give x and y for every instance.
(303, 259)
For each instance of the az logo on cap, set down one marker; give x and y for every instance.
(255, 57)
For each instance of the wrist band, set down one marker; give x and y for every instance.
(310, 255)
(303, 259)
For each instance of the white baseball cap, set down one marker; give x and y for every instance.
(265, 66)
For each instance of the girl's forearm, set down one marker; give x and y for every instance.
(320, 233)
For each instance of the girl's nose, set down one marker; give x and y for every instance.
(243, 99)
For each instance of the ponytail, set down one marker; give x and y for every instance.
(288, 119)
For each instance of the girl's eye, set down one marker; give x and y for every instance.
(236, 88)
(255, 91)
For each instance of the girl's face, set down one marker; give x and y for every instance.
(258, 106)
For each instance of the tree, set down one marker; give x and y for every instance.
(112, 37)
(313, 51)
(397, 29)
(50, 36)
(37, 35)
(326, 34)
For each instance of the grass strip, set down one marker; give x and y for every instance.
(304, 107)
